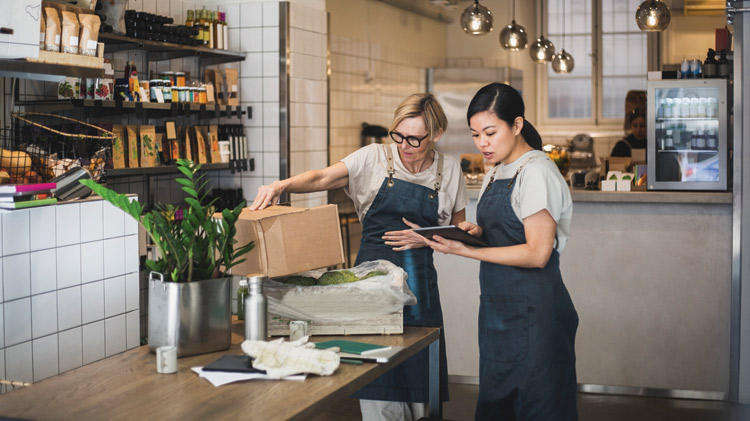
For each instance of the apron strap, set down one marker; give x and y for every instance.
(439, 177)
(391, 170)
(389, 155)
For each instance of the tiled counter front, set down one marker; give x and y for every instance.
(69, 292)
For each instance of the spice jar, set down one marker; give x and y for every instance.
(155, 85)
(167, 90)
(202, 96)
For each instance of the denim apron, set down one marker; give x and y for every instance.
(527, 325)
(408, 382)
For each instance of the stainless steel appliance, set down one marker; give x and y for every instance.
(688, 135)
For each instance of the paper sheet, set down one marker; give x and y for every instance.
(220, 378)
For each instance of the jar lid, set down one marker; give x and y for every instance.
(167, 83)
(201, 89)
(179, 73)
(166, 73)
(154, 81)
(243, 282)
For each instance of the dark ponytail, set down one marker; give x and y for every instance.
(506, 103)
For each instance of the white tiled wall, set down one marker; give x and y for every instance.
(69, 289)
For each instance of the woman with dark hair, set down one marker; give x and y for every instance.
(527, 321)
(637, 137)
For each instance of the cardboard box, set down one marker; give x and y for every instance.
(289, 240)
(387, 324)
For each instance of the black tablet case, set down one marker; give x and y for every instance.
(233, 363)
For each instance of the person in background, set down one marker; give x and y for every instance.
(637, 137)
(397, 187)
(527, 321)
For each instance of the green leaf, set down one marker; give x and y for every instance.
(191, 192)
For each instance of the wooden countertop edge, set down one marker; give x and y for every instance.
(694, 197)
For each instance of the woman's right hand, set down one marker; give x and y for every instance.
(472, 229)
(267, 195)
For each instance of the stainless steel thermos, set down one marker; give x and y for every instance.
(256, 310)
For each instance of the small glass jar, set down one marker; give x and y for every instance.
(167, 76)
(183, 94)
(155, 85)
(167, 90)
(176, 95)
(179, 78)
(202, 96)
(193, 94)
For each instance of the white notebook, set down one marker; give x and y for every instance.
(379, 356)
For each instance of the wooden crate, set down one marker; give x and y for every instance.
(68, 59)
(388, 324)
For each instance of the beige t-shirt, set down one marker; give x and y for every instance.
(539, 186)
(368, 167)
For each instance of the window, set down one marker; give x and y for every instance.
(610, 54)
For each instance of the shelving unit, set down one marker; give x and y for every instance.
(158, 51)
(148, 109)
(160, 170)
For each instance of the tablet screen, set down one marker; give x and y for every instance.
(451, 232)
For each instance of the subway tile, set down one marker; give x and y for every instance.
(271, 164)
(270, 38)
(42, 221)
(114, 221)
(271, 114)
(271, 63)
(16, 276)
(176, 12)
(270, 89)
(133, 330)
(92, 221)
(255, 139)
(45, 360)
(251, 40)
(163, 9)
(92, 261)
(43, 271)
(92, 302)
(131, 225)
(16, 233)
(131, 291)
(114, 296)
(234, 39)
(271, 139)
(232, 14)
(68, 266)
(69, 308)
(251, 89)
(257, 118)
(44, 314)
(70, 349)
(18, 365)
(115, 335)
(271, 13)
(93, 342)
(17, 321)
(251, 15)
(131, 253)
(68, 227)
(252, 66)
(114, 257)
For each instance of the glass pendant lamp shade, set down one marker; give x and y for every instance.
(476, 19)
(563, 62)
(542, 50)
(513, 37)
(652, 16)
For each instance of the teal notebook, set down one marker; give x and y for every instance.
(352, 347)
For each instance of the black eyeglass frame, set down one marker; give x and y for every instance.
(399, 138)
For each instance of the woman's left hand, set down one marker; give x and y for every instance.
(404, 239)
(446, 246)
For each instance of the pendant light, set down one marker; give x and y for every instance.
(542, 50)
(513, 37)
(476, 19)
(563, 62)
(652, 16)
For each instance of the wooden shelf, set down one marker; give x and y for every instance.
(45, 71)
(158, 51)
(174, 109)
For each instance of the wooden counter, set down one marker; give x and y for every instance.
(127, 386)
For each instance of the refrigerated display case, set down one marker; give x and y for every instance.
(688, 135)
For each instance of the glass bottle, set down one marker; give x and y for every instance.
(218, 40)
(190, 18)
(256, 311)
(225, 30)
(241, 294)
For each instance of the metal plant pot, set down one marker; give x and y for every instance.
(195, 317)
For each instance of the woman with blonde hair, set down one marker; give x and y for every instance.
(396, 187)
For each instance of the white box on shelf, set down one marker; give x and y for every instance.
(609, 185)
(20, 21)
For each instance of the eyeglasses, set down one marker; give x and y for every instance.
(413, 141)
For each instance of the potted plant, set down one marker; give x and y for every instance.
(189, 296)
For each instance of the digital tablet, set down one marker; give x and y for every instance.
(451, 232)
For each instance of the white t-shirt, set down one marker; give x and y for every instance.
(539, 186)
(368, 167)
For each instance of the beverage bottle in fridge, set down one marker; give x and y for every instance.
(712, 140)
(685, 69)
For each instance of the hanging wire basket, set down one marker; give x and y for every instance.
(41, 146)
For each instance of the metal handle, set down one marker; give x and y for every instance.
(8, 31)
